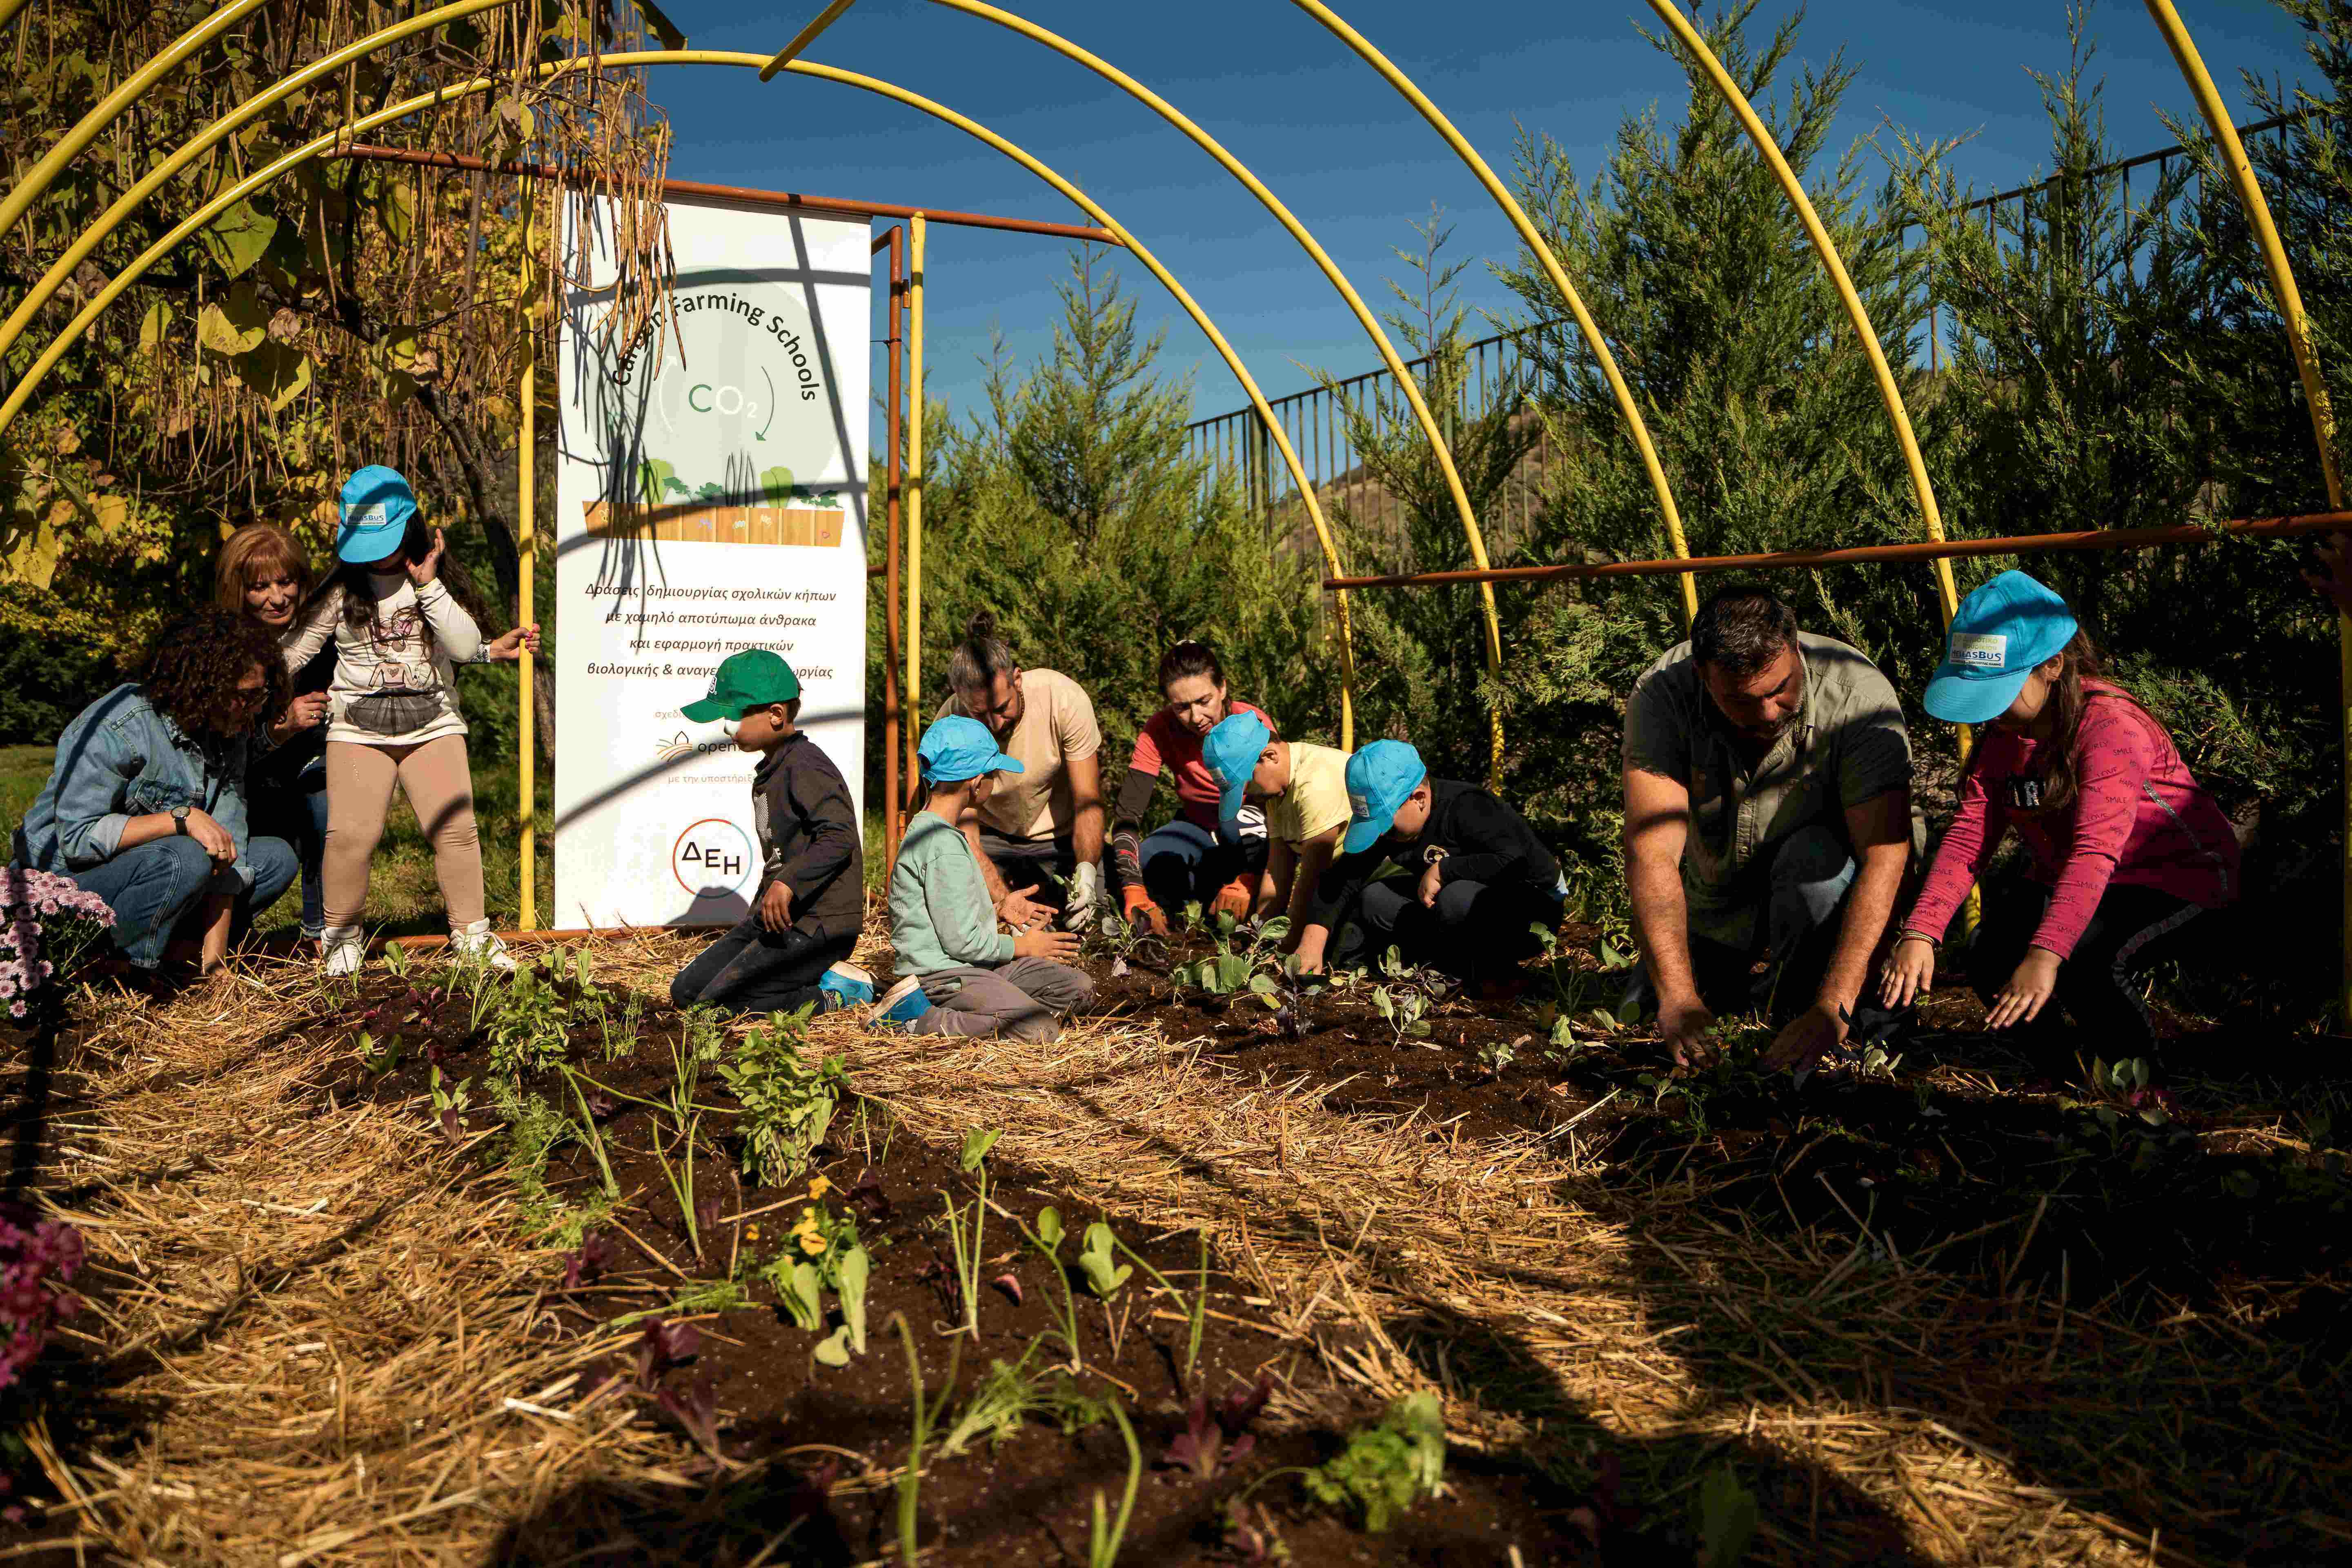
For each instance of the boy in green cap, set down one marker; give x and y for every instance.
(792, 950)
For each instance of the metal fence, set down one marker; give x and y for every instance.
(1236, 447)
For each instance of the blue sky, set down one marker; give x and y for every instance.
(1332, 140)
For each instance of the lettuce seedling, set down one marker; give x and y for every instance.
(585, 1266)
(1104, 1274)
(662, 1346)
(1204, 1447)
(696, 1409)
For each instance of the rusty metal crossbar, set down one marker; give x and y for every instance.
(2095, 539)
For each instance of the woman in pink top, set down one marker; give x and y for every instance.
(1196, 857)
(2127, 846)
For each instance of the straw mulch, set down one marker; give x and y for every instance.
(341, 1352)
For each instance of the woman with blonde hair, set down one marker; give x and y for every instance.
(265, 575)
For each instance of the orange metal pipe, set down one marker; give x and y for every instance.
(787, 201)
(1863, 554)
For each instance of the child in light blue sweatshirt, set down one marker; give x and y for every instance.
(972, 978)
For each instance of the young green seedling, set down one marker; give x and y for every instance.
(1105, 1274)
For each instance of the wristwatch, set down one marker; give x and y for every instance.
(180, 820)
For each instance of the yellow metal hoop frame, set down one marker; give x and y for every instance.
(1541, 250)
(2315, 389)
(1330, 270)
(19, 394)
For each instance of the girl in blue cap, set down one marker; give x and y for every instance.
(958, 974)
(393, 716)
(2126, 845)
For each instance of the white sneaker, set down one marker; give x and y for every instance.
(478, 941)
(342, 950)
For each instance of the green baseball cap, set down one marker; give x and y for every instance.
(752, 678)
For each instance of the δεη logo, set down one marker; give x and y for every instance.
(713, 858)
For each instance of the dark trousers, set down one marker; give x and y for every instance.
(1474, 928)
(296, 812)
(1038, 867)
(751, 969)
(1803, 911)
(156, 886)
(1184, 862)
(2097, 983)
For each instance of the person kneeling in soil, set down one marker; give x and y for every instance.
(793, 949)
(977, 979)
(1477, 877)
(1213, 849)
(2127, 846)
(1303, 788)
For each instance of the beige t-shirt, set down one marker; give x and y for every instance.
(1317, 800)
(1058, 726)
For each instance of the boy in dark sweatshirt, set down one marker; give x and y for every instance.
(793, 949)
(1478, 876)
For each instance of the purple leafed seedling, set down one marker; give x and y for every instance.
(1010, 1283)
(706, 1211)
(696, 1409)
(1238, 1410)
(1250, 1534)
(599, 1104)
(450, 1125)
(1203, 1447)
(596, 1253)
(662, 1346)
(1603, 1509)
(867, 1194)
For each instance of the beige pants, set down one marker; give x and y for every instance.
(440, 789)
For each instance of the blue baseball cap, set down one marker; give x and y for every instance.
(1999, 634)
(1230, 753)
(1379, 778)
(377, 506)
(956, 749)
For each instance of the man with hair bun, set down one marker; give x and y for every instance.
(1044, 822)
(1768, 815)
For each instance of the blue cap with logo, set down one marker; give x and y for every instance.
(1999, 634)
(1230, 753)
(1379, 777)
(377, 505)
(955, 749)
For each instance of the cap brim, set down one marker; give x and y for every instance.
(1230, 802)
(371, 545)
(1362, 836)
(709, 708)
(1001, 763)
(1957, 699)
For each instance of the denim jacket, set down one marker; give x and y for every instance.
(121, 759)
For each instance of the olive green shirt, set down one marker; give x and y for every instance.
(1848, 745)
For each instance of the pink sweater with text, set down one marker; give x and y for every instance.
(2140, 819)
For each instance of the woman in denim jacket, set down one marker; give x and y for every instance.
(145, 805)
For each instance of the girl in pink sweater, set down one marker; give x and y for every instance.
(2127, 846)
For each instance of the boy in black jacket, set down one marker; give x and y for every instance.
(1479, 875)
(792, 950)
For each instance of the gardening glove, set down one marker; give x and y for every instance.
(1232, 898)
(1142, 911)
(1086, 896)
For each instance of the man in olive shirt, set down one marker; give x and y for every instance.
(1767, 810)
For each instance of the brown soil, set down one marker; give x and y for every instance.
(1942, 1160)
(790, 1429)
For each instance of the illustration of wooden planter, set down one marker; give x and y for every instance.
(702, 523)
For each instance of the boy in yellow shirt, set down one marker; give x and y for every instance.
(1304, 790)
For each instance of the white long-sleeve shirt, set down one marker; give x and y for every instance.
(392, 653)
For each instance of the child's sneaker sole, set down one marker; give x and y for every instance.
(903, 1002)
(849, 985)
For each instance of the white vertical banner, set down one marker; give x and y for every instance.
(711, 497)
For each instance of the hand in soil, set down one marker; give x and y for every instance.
(1806, 1039)
(2028, 989)
(1685, 1026)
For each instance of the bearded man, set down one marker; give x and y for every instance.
(1768, 817)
